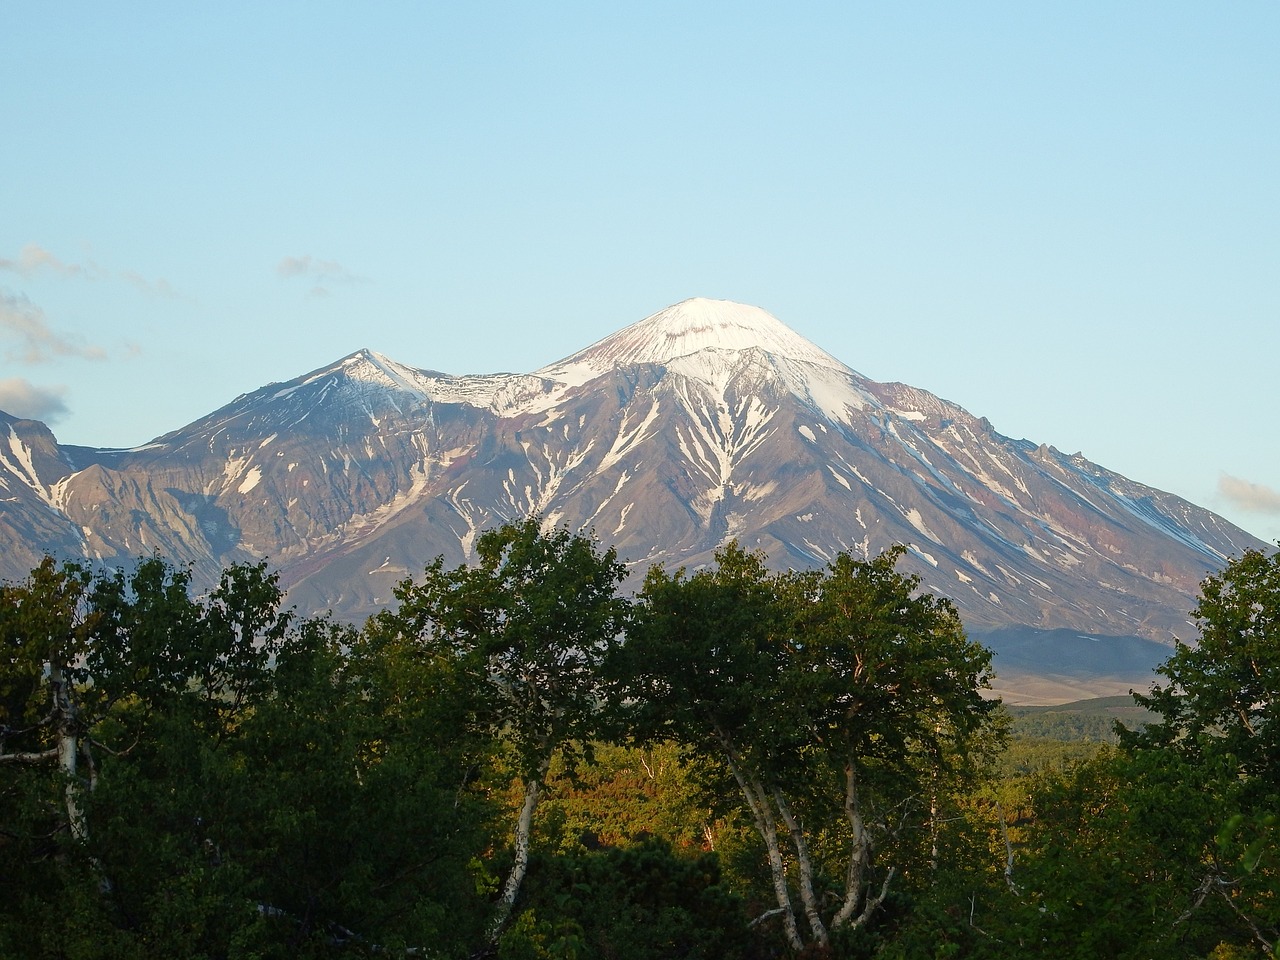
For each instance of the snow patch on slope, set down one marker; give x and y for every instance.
(23, 466)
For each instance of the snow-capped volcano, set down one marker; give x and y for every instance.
(706, 421)
(687, 328)
(719, 348)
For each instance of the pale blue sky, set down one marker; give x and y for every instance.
(1063, 216)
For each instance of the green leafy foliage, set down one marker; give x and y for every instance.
(845, 704)
(637, 902)
(1089, 721)
(214, 777)
(633, 793)
(1221, 694)
(254, 790)
(528, 626)
(42, 619)
(525, 633)
(1166, 847)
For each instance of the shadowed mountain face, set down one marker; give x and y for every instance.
(706, 421)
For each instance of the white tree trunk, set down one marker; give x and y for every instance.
(762, 810)
(804, 864)
(64, 722)
(873, 903)
(859, 855)
(933, 801)
(524, 831)
(933, 830)
(859, 862)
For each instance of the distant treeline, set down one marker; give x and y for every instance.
(1093, 721)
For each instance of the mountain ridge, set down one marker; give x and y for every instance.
(705, 421)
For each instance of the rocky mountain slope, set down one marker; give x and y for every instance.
(705, 421)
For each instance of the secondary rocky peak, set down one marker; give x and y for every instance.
(365, 360)
(372, 368)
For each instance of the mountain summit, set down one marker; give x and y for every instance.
(706, 421)
(690, 327)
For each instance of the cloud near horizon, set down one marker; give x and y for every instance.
(23, 399)
(1254, 497)
(25, 323)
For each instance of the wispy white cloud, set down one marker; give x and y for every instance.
(1249, 496)
(23, 399)
(158, 288)
(323, 271)
(319, 272)
(31, 339)
(34, 259)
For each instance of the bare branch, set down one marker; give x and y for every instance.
(44, 721)
(114, 752)
(1215, 883)
(873, 903)
(38, 756)
(1202, 892)
(1221, 888)
(767, 915)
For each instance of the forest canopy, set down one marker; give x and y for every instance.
(518, 760)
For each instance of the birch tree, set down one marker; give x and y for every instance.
(238, 776)
(76, 646)
(837, 701)
(45, 626)
(530, 625)
(703, 663)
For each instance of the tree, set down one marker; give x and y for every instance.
(45, 630)
(638, 902)
(529, 628)
(1217, 716)
(114, 657)
(191, 776)
(152, 640)
(702, 664)
(897, 709)
(1221, 695)
(841, 701)
(1167, 846)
